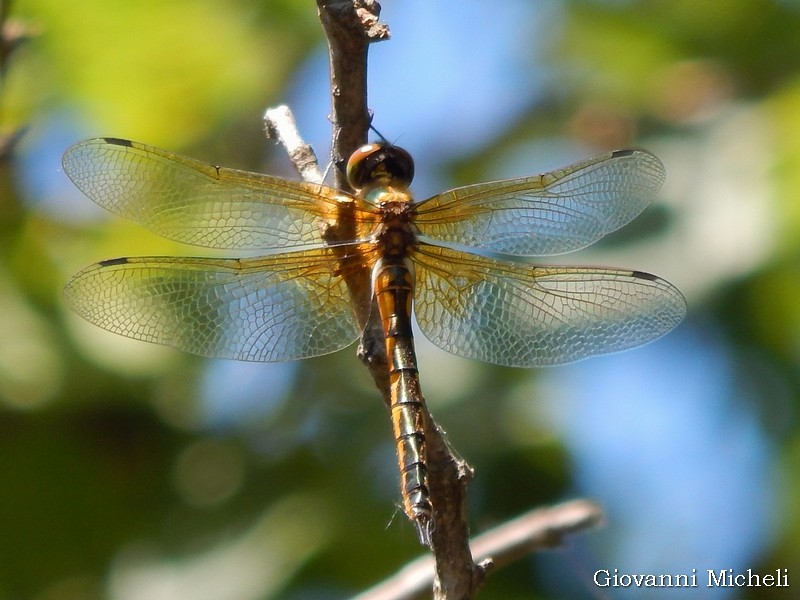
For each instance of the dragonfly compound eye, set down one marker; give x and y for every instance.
(379, 164)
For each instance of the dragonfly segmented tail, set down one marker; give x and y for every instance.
(393, 285)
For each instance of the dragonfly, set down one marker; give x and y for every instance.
(459, 260)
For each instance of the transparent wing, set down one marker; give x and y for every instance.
(523, 316)
(197, 203)
(278, 308)
(554, 213)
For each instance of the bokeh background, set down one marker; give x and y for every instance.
(134, 472)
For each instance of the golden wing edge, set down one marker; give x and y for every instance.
(470, 193)
(210, 170)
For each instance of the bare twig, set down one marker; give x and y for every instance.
(541, 528)
(280, 125)
(456, 574)
(350, 26)
(536, 530)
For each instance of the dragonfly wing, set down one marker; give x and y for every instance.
(521, 315)
(554, 213)
(285, 307)
(197, 203)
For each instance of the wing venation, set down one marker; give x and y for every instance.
(285, 307)
(201, 204)
(521, 315)
(554, 213)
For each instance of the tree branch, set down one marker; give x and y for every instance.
(538, 529)
(350, 26)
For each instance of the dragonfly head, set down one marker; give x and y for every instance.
(380, 164)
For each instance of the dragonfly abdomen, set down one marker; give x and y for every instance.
(393, 287)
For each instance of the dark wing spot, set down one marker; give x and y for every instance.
(118, 141)
(643, 275)
(113, 261)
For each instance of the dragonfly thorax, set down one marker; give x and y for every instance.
(380, 165)
(396, 233)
